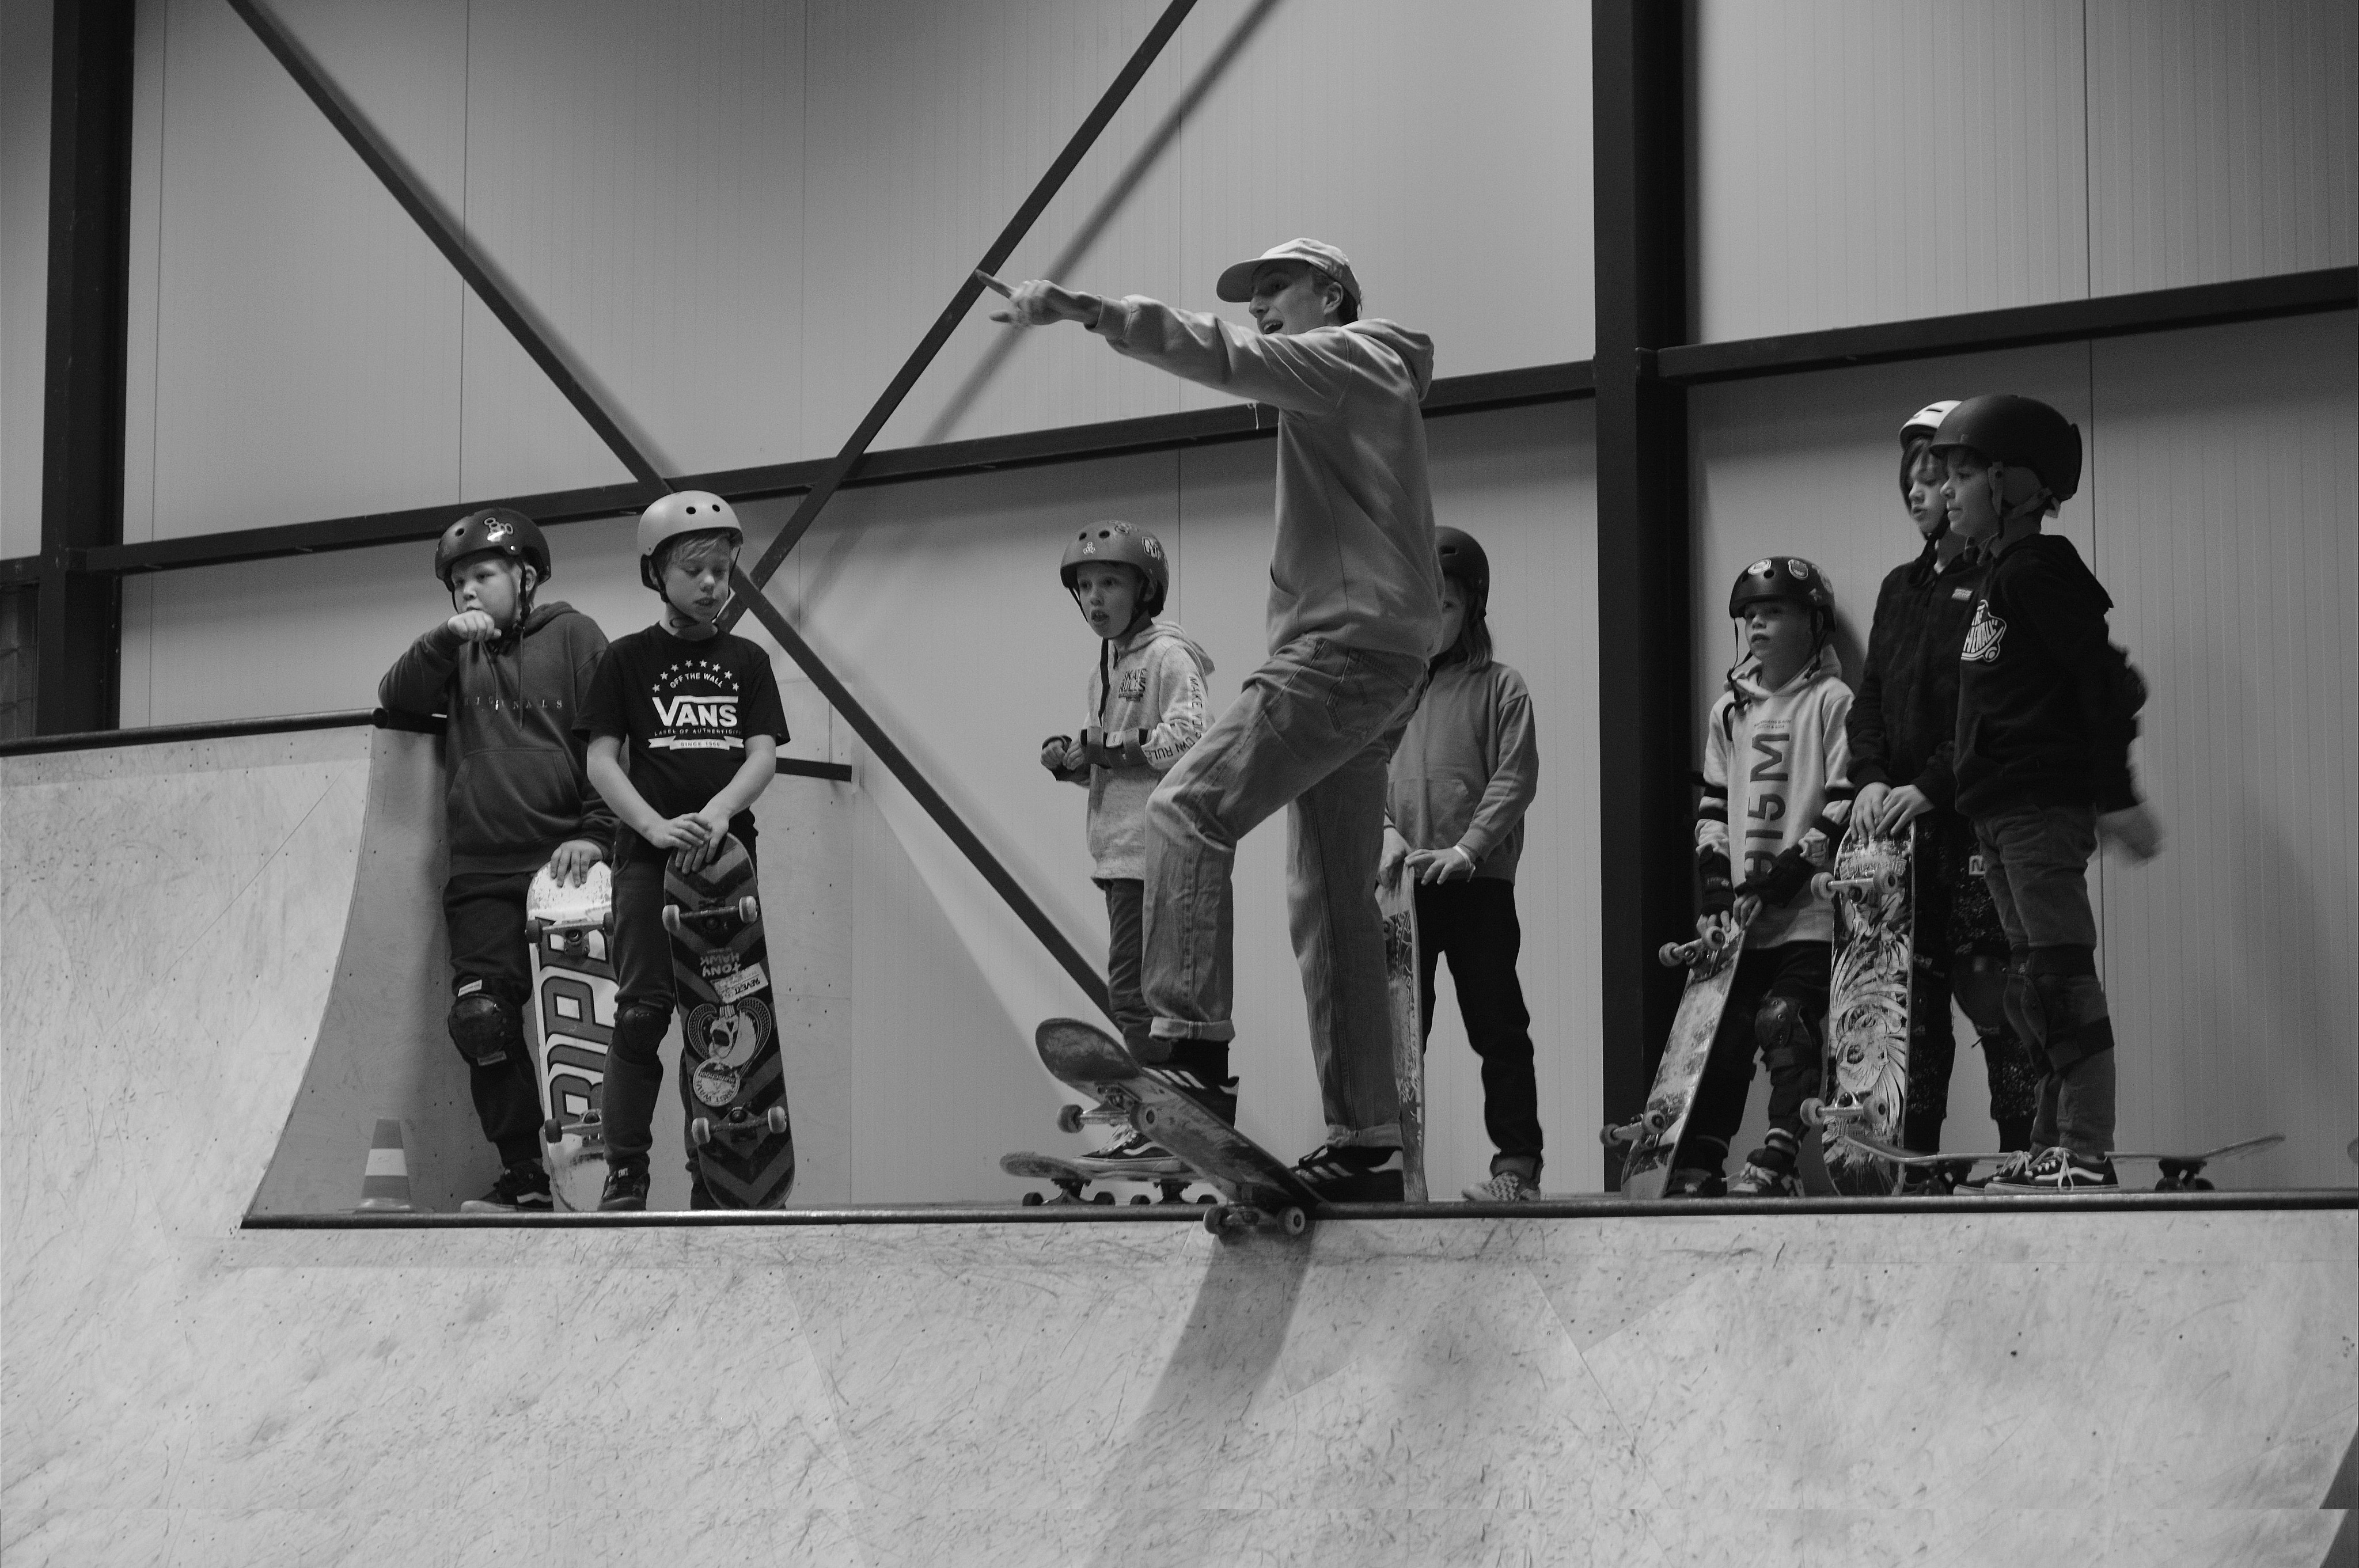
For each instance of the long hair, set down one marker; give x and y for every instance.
(1473, 643)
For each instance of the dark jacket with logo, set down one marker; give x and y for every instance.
(2046, 705)
(516, 784)
(1903, 727)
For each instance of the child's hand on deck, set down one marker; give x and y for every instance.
(1901, 807)
(676, 833)
(574, 859)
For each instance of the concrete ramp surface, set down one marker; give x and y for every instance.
(1984, 1386)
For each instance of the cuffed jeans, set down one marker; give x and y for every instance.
(1313, 730)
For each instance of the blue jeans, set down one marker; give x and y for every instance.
(1314, 731)
(2036, 859)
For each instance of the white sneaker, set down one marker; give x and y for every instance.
(1505, 1186)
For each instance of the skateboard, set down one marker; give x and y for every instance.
(732, 1081)
(573, 983)
(1258, 1190)
(1654, 1138)
(1070, 1176)
(1865, 1080)
(1396, 905)
(2180, 1173)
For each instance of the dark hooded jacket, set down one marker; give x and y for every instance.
(1903, 728)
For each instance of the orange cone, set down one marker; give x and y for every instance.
(385, 1182)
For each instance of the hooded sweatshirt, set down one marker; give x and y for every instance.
(1468, 767)
(1354, 560)
(516, 783)
(1904, 722)
(1147, 692)
(1776, 774)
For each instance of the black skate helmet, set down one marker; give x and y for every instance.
(1121, 545)
(1463, 560)
(2021, 432)
(1789, 577)
(501, 530)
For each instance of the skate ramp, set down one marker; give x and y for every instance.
(1985, 1385)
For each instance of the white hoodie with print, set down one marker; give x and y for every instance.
(1147, 693)
(1782, 763)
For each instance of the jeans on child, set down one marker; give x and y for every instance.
(2036, 859)
(1125, 899)
(1313, 730)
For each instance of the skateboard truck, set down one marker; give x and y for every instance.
(737, 1125)
(1882, 883)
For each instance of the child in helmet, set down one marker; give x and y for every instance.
(1464, 774)
(1776, 793)
(1903, 731)
(701, 711)
(1146, 706)
(2047, 710)
(512, 675)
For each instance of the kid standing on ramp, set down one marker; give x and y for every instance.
(513, 676)
(1465, 774)
(699, 710)
(2047, 710)
(1146, 706)
(1354, 612)
(1776, 793)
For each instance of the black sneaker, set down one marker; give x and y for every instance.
(521, 1189)
(2056, 1171)
(627, 1189)
(1350, 1173)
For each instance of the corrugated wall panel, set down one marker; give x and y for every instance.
(2223, 140)
(2228, 470)
(23, 268)
(1871, 160)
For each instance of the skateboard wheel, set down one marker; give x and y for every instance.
(776, 1119)
(1140, 1199)
(1068, 1119)
(671, 918)
(1207, 1199)
(749, 909)
(1106, 1199)
(552, 1131)
(699, 1131)
(1813, 1113)
(535, 928)
(1032, 1200)
(1292, 1220)
(1219, 1219)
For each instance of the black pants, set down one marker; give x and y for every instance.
(1960, 952)
(644, 987)
(1474, 925)
(1799, 974)
(484, 912)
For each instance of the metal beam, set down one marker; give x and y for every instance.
(963, 298)
(78, 614)
(1645, 705)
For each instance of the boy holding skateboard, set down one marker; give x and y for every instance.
(699, 710)
(1354, 612)
(1902, 732)
(2047, 710)
(1465, 772)
(1776, 793)
(512, 675)
(1146, 706)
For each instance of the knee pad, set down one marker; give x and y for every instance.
(1787, 1039)
(2070, 1004)
(486, 1027)
(1979, 983)
(639, 1028)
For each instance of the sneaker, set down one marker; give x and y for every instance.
(627, 1189)
(521, 1189)
(1764, 1182)
(2056, 1170)
(1929, 1182)
(1351, 1172)
(1510, 1186)
(1695, 1182)
(1131, 1153)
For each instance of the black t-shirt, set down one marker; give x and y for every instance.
(685, 708)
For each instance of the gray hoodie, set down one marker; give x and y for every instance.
(1468, 767)
(1156, 708)
(1354, 560)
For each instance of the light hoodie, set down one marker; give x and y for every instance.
(1784, 753)
(1468, 767)
(1355, 558)
(1147, 692)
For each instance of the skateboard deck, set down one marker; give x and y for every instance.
(732, 1082)
(1654, 1138)
(1865, 1084)
(573, 988)
(1396, 905)
(1070, 1176)
(1258, 1188)
(2180, 1173)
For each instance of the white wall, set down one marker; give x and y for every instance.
(24, 266)
(2218, 507)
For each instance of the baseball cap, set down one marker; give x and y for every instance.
(1236, 282)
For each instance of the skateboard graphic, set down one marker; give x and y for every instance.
(573, 984)
(1397, 906)
(1654, 1138)
(2180, 1172)
(1865, 1081)
(732, 1081)
(1258, 1190)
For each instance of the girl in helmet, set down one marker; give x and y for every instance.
(512, 675)
(1776, 793)
(1146, 706)
(1465, 772)
(1903, 731)
(700, 708)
